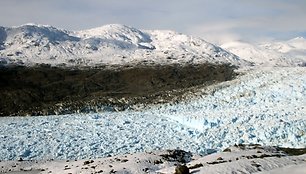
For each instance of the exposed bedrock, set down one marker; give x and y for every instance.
(45, 90)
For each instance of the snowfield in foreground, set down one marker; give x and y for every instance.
(237, 159)
(264, 106)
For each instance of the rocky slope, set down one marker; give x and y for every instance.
(45, 90)
(46, 70)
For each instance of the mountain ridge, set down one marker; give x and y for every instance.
(117, 44)
(110, 44)
(291, 52)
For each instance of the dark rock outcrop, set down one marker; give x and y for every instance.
(45, 90)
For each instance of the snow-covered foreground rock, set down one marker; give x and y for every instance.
(236, 159)
(264, 106)
(244, 159)
(293, 169)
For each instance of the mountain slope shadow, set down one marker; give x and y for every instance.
(45, 90)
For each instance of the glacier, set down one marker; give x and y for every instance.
(264, 106)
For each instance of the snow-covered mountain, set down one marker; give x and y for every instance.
(261, 106)
(117, 44)
(281, 53)
(110, 44)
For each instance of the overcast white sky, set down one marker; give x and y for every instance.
(217, 21)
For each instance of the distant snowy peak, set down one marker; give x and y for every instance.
(124, 36)
(116, 32)
(298, 43)
(279, 53)
(112, 44)
(32, 31)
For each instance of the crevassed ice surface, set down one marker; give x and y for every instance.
(264, 106)
(90, 135)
